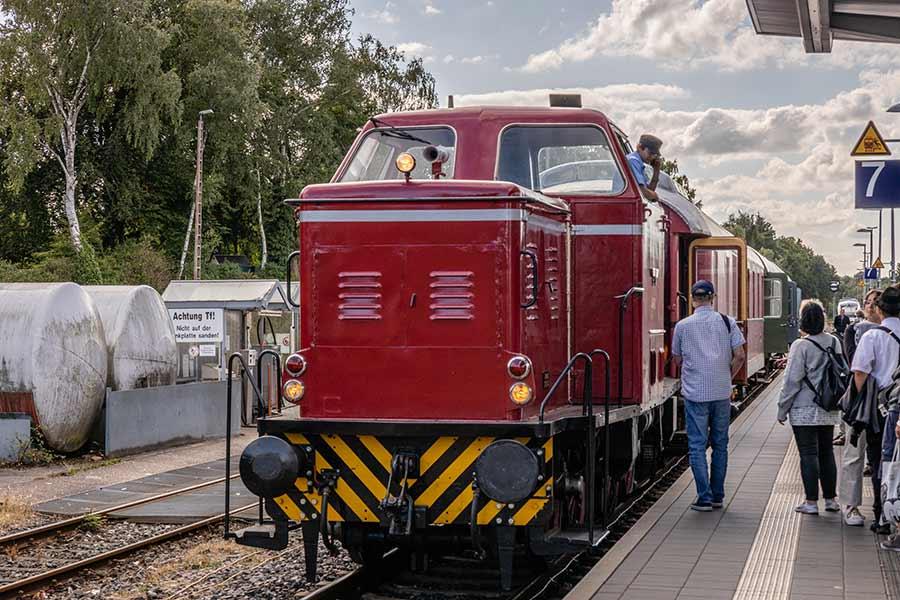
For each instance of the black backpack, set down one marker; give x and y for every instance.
(835, 379)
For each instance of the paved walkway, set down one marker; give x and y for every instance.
(757, 548)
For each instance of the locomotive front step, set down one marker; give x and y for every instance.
(271, 536)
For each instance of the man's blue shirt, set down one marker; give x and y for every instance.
(705, 347)
(637, 167)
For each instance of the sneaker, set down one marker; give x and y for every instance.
(832, 505)
(880, 528)
(867, 472)
(839, 440)
(853, 518)
(702, 506)
(808, 508)
(892, 543)
(717, 503)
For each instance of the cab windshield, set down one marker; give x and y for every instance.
(375, 156)
(561, 159)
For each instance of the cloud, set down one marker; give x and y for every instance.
(469, 60)
(687, 34)
(639, 96)
(414, 48)
(384, 16)
(431, 10)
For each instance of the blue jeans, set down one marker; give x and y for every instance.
(708, 422)
(889, 436)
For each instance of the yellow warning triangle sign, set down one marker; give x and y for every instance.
(870, 143)
(878, 264)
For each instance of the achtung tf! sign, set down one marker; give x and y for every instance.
(198, 324)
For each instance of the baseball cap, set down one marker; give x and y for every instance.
(703, 288)
(651, 143)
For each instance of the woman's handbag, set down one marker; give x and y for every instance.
(890, 487)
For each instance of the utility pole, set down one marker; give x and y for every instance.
(198, 194)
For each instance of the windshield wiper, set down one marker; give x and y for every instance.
(396, 132)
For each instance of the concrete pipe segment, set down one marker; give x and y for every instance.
(53, 359)
(139, 334)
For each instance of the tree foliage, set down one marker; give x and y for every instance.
(286, 81)
(811, 271)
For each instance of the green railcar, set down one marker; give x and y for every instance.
(780, 298)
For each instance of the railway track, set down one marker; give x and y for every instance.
(38, 545)
(459, 578)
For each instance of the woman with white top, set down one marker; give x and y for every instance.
(813, 426)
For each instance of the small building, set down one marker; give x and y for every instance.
(213, 318)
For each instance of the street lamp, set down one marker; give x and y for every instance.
(863, 246)
(869, 230)
(198, 193)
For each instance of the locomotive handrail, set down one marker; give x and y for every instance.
(587, 381)
(588, 409)
(290, 261)
(604, 498)
(259, 361)
(623, 307)
(234, 355)
(535, 285)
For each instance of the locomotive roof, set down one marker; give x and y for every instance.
(424, 189)
(544, 114)
(694, 218)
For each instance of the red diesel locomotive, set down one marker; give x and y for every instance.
(487, 305)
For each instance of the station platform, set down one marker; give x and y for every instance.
(756, 547)
(199, 503)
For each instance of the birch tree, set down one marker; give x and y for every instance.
(58, 58)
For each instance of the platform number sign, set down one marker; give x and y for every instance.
(877, 183)
(834, 286)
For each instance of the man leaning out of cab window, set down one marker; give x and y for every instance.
(647, 152)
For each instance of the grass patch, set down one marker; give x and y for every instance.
(86, 466)
(92, 522)
(14, 510)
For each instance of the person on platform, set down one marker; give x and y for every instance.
(709, 348)
(813, 426)
(866, 320)
(840, 323)
(877, 355)
(647, 153)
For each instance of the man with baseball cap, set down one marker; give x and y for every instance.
(647, 152)
(709, 348)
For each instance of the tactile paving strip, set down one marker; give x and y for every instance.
(769, 569)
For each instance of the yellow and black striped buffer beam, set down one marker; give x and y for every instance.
(443, 484)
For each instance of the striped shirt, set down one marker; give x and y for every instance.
(706, 348)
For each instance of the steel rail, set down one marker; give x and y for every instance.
(57, 526)
(35, 580)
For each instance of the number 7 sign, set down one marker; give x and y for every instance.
(877, 183)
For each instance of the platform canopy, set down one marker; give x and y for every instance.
(820, 21)
(232, 294)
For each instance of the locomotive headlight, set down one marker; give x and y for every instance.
(294, 390)
(518, 367)
(405, 163)
(520, 393)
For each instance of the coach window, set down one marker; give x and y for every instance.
(773, 297)
(374, 157)
(559, 159)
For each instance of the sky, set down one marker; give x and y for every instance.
(755, 123)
